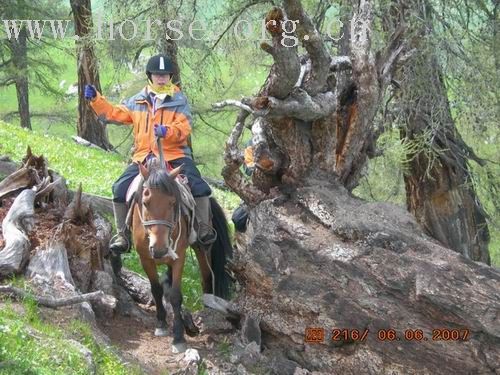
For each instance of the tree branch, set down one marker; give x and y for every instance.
(313, 43)
(50, 301)
(286, 68)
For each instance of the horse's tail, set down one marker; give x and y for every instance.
(221, 250)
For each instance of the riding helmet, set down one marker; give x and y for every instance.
(159, 64)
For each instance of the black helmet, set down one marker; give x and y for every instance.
(159, 64)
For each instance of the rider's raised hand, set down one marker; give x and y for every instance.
(160, 130)
(89, 92)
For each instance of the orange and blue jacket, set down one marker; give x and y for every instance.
(173, 112)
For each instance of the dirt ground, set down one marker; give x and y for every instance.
(136, 338)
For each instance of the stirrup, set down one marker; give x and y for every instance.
(119, 249)
(209, 238)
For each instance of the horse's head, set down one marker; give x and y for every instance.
(159, 208)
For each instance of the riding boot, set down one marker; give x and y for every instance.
(120, 243)
(206, 233)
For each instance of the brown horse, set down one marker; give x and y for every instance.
(160, 228)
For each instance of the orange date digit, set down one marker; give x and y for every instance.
(314, 335)
(445, 334)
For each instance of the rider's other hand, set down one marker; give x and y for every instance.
(160, 130)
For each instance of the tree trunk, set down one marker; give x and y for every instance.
(89, 127)
(20, 62)
(439, 189)
(323, 259)
(168, 46)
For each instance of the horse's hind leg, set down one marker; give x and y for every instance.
(206, 276)
(157, 291)
(179, 342)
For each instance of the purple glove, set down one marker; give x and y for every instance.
(160, 131)
(89, 92)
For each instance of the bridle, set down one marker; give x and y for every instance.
(169, 224)
(147, 223)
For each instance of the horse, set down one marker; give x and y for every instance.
(159, 228)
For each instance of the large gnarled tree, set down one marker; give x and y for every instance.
(314, 255)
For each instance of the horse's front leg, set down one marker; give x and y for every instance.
(149, 267)
(179, 342)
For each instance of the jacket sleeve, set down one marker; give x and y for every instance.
(118, 114)
(180, 129)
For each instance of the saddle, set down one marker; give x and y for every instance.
(187, 202)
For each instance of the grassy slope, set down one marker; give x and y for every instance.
(30, 345)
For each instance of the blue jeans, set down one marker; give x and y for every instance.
(198, 186)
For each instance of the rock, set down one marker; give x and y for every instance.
(211, 321)
(250, 330)
(280, 365)
(86, 354)
(250, 355)
(87, 313)
(301, 371)
(102, 281)
(191, 356)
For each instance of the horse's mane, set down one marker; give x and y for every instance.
(160, 179)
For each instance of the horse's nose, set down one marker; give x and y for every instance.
(157, 253)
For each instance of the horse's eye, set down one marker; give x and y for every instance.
(146, 194)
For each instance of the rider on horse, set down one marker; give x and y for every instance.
(158, 110)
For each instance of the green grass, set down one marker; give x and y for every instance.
(96, 170)
(29, 345)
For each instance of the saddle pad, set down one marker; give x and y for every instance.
(133, 187)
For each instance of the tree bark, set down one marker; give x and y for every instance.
(15, 229)
(323, 259)
(89, 127)
(301, 122)
(20, 62)
(439, 189)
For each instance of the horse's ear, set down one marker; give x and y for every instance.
(143, 170)
(174, 172)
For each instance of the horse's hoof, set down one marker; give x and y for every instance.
(179, 348)
(161, 332)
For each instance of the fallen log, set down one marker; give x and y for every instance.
(84, 142)
(20, 179)
(7, 166)
(136, 286)
(49, 272)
